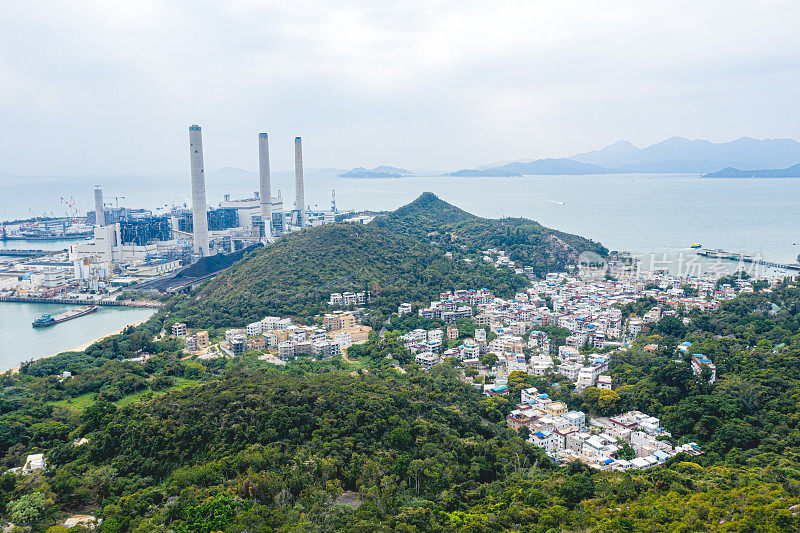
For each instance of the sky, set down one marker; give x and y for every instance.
(100, 87)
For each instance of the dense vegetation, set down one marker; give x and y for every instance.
(311, 447)
(398, 257)
(183, 445)
(432, 220)
(296, 275)
(752, 411)
(316, 449)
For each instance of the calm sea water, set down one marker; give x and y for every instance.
(648, 214)
(642, 213)
(20, 342)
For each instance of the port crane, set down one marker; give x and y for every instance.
(71, 210)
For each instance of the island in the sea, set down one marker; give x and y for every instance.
(538, 167)
(730, 172)
(382, 171)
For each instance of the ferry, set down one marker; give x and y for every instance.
(50, 320)
(696, 245)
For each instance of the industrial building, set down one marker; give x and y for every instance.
(145, 230)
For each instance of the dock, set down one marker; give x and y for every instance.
(744, 258)
(101, 303)
(46, 321)
(27, 253)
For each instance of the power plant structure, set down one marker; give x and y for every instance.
(99, 213)
(141, 243)
(265, 187)
(199, 205)
(299, 192)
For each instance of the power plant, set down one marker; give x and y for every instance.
(199, 205)
(140, 244)
(299, 192)
(136, 245)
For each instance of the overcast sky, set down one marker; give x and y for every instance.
(101, 86)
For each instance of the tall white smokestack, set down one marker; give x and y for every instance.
(99, 213)
(199, 205)
(265, 187)
(299, 193)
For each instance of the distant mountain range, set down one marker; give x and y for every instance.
(744, 152)
(383, 171)
(730, 172)
(675, 155)
(540, 166)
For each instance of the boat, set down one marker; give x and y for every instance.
(44, 321)
(696, 245)
(49, 320)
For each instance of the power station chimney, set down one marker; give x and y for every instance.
(265, 187)
(199, 205)
(299, 193)
(99, 213)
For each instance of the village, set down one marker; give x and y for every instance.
(508, 337)
(490, 338)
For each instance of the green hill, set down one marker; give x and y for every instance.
(431, 219)
(296, 275)
(394, 257)
(425, 214)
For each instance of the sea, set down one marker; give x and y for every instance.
(656, 217)
(21, 342)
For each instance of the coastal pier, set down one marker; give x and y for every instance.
(102, 303)
(744, 258)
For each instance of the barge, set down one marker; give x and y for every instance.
(50, 320)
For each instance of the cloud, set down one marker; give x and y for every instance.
(105, 87)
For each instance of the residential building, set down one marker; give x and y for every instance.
(699, 361)
(179, 329)
(426, 360)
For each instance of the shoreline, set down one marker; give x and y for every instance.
(85, 345)
(82, 347)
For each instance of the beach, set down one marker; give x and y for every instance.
(85, 345)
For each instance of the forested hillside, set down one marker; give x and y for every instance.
(240, 445)
(399, 257)
(430, 219)
(752, 411)
(296, 275)
(374, 443)
(311, 449)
